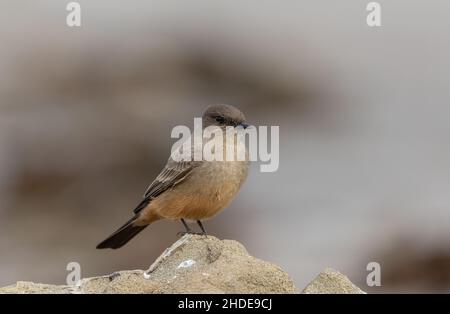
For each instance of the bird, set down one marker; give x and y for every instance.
(192, 190)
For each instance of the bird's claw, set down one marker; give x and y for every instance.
(182, 233)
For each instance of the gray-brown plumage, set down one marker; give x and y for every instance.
(193, 190)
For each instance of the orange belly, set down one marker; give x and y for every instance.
(203, 194)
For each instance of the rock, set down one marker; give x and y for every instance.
(198, 264)
(331, 281)
(26, 287)
(193, 264)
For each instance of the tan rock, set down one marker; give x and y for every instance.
(26, 287)
(193, 264)
(198, 264)
(331, 281)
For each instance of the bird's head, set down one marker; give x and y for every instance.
(222, 116)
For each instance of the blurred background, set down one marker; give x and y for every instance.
(364, 115)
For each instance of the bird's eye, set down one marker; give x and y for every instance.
(220, 119)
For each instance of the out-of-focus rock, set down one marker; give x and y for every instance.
(331, 281)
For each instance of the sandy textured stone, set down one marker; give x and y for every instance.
(331, 281)
(193, 264)
(26, 287)
(198, 264)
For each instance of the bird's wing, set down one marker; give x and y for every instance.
(173, 173)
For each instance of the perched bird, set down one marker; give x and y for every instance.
(189, 189)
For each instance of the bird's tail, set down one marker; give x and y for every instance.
(120, 237)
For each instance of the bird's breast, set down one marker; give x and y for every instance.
(209, 188)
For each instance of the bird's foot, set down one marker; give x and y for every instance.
(182, 233)
(189, 231)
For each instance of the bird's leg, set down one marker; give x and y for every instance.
(201, 227)
(188, 230)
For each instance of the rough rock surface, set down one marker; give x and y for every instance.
(198, 264)
(193, 264)
(331, 282)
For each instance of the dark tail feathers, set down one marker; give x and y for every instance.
(121, 236)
